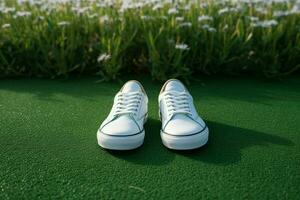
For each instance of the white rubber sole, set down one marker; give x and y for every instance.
(185, 142)
(120, 143)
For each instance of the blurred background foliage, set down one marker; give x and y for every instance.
(58, 38)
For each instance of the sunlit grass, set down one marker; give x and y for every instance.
(164, 38)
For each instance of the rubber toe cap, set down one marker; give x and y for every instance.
(122, 126)
(183, 126)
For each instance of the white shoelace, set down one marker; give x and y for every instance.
(128, 103)
(177, 103)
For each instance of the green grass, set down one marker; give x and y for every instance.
(48, 147)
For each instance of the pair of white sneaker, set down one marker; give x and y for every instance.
(182, 128)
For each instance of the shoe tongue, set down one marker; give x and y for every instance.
(174, 85)
(131, 86)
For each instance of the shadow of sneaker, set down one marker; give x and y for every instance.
(226, 143)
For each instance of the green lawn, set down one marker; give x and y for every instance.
(48, 146)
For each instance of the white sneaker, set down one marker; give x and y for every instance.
(123, 129)
(182, 128)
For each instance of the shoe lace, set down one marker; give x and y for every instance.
(177, 103)
(128, 103)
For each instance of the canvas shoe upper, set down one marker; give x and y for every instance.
(178, 114)
(126, 118)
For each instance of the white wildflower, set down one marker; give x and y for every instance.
(111, 3)
(227, 10)
(225, 27)
(187, 7)
(8, 10)
(173, 11)
(147, 17)
(252, 18)
(157, 6)
(209, 28)
(63, 23)
(103, 57)
(182, 46)
(104, 19)
(93, 16)
(41, 17)
(169, 1)
(139, 5)
(4, 26)
(179, 19)
(203, 5)
(206, 26)
(212, 30)
(185, 24)
(22, 14)
(81, 11)
(251, 53)
(204, 18)
(265, 23)
(35, 2)
(22, 1)
(281, 13)
(101, 5)
(261, 10)
(251, 1)
(126, 5)
(296, 8)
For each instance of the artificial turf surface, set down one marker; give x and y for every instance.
(48, 147)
